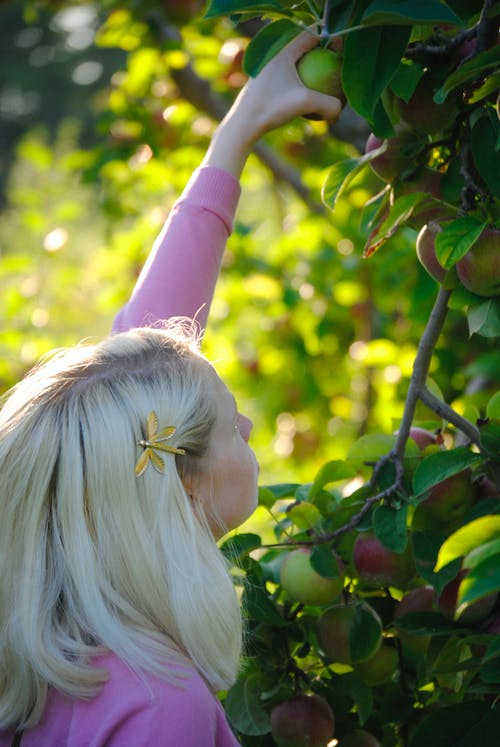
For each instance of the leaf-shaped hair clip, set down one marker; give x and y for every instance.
(155, 441)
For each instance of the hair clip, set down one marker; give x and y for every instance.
(153, 443)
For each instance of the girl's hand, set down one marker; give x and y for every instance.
(267, 101)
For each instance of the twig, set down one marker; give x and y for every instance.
(449, 414)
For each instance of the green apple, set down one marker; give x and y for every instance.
(303, 584)
(423, 114)
(334, 631)
(381, 667)
(321, 70)
(302, 721)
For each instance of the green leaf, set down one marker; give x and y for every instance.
(304, 516)
(267, 43)
(333, 471)
(484, 319)
(369, 449)
(467, 538)
(437, 467)
(258, 606)
(371, 58)
(339, 177)
(426, 547)
(266, 497)
(402, 209)
(324, 561)
(482, 553)
(470, 70)
(228, 7)
(239, 545)
(388, 12)
(485, 732)
(482, 580)
(456, 238)
(244, 710)
(390, 527)
(484, 144)
(445, 726)
(406, 79)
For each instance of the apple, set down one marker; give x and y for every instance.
(303, 584)
(393, 161)
(474, 612)
(321, 70)
(182, 11)
(479, 269)
(423, 180)
(450, 499)
(378, 566)
(420, 599)
(426, 251)
(333, 630)
(423, 114)
(381, 667)
(302, 721)
(422, 437)
(359, 738)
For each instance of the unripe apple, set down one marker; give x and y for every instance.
(359, 738)
(303, 584)
(474, 612)
(421, 599)
(381, 667)
(378, 566)
(423, 114)
(450, 499)
(479, 269)
(426, 251)
(334, 632)
(321, 70)
(302, 721)
(393, 161)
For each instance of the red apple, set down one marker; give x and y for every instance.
(421, 599)
(393, 161)
(422, 437)
(378, 566)
(423, 114)
(479, 269)
(473, 613)
(426, 251)
(182, 11)
(302, 721)
(303, 584)
(450, 499)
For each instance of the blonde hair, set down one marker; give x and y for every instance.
(92, 557)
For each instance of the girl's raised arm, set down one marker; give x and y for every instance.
(181, 272)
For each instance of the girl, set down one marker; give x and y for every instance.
(121, 465)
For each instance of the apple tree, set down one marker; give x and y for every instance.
(378, 594)
(370, 587)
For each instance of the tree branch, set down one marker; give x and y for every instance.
(449, 414)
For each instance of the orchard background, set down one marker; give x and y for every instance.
(371, 378)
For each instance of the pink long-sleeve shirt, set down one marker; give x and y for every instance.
(178, 279)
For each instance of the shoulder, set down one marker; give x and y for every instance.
(148, 711)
